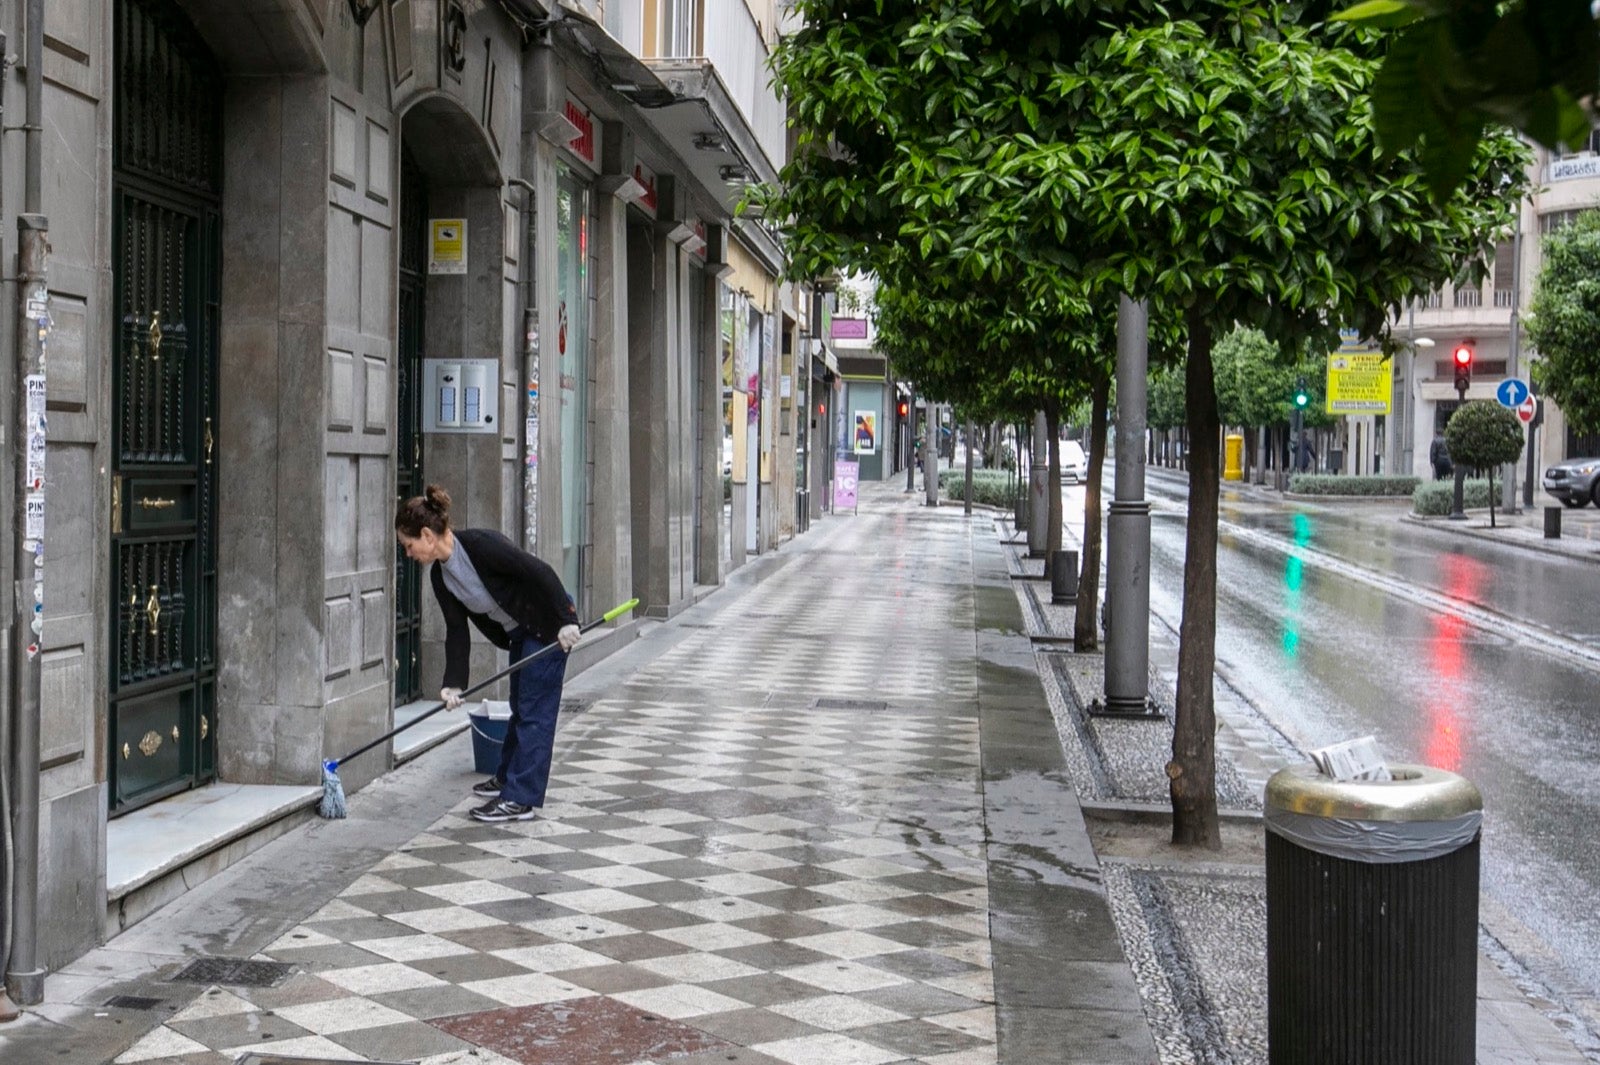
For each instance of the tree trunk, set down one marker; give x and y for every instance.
(1193, 770)
(1052, 534)
(1085, 623)
(970, 442)
(1491, 497)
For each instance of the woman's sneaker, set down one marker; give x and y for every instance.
(489, 789)
(504, 810)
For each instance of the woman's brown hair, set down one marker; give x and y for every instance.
(431, 510)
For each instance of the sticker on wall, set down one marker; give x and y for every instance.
(36, 396)
(448, 248)
(34, 528)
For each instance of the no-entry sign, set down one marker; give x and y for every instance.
(1525, 411)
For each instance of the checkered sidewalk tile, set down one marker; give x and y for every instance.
(725, 871)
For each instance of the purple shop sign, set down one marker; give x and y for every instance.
(849, 329)
(846, 474)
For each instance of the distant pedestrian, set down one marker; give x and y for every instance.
(1439, 457)
(518, 602)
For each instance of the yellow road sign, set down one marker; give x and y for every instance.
(1358, 383)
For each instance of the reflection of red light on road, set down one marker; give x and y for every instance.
(1448, 667)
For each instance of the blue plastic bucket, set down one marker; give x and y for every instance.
(489, 735)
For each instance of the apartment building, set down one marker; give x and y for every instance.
(307, 256)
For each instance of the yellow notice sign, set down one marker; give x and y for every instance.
(448, 247)
(1358, 383)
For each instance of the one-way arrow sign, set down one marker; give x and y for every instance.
(1513, 392)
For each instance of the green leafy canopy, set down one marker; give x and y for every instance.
(1563, 322)
(1483, 435)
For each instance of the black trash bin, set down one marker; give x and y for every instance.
(1372, 918)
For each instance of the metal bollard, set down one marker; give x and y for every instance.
(1372, 918)
(1063, 577)
(1020, 513)
(1552, 523)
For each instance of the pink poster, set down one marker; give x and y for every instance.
(845, 475)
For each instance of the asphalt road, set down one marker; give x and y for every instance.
(1343, 621)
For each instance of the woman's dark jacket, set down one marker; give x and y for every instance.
(525, 587)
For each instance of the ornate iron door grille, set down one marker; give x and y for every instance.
(408, 432)
(168, 165)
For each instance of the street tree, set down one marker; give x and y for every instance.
(1484, 435)
(1563, 322)
(986, 352)
(1207, 155)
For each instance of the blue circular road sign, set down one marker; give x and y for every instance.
(1512, 392)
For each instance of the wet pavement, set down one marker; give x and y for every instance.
(819, 819)
(1337, 621)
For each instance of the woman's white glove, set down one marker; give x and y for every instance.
(568, 637)
(451, 697)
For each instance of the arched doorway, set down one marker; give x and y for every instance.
(409, 479)
(446, 312)
(166, 190)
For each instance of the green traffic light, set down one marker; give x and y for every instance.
(1301, 399)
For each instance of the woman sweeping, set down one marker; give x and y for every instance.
(518, 602)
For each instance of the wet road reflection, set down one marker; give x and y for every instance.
(1328, 657)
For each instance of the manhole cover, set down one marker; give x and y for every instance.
(133, 1002)
(234, 972)
(279, 1059)
(850, 704)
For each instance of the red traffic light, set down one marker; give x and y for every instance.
(905, 408)
(1463, 357)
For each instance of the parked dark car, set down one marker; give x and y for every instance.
(1576, 482)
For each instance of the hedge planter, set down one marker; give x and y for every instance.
(1313, 484)
(1432, 499)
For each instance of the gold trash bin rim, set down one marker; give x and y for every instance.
(1418, 793)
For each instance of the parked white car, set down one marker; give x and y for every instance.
(1074, 463)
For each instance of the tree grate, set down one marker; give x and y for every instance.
(235, 972)
(133, 1002)
(850, 704)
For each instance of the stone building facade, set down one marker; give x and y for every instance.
(310, 255)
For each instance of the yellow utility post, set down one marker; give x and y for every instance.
(1233, 458)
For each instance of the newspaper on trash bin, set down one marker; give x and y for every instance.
(1352, 760)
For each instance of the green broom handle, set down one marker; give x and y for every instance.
(610, 615)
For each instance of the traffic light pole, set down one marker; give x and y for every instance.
(1299, 448)
(1458, 510)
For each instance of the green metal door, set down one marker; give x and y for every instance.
(408, 432)
(163, 615)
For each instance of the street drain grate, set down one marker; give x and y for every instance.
(133, 1002)
(850, 704)
(234, 972)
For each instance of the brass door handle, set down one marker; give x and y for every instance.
(152, 608)
(209, 441)
(155, 335)
(116, 503)
(205, 727)
(146, 503)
